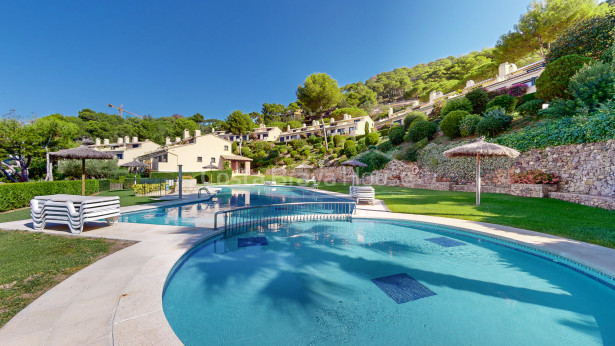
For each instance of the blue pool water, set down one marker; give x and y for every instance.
(380, 282)
(227, 198)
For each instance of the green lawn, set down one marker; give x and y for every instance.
(570, 220)
(32, 263)
(245, 179)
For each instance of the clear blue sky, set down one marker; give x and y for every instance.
(166, 57)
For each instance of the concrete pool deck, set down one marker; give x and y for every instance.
(118, 300)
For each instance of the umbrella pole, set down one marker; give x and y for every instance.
(82, 177)
(477, 179)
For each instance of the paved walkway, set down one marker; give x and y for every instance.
(118, 300)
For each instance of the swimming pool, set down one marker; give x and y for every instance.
(228, 198)
(382, 282)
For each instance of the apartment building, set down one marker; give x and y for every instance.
(347, 126)
(125, 149)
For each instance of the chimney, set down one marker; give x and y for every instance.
(97, 141)
(303, 125)
(331, 121)
(347, 117)
(106, 141)
(177, 139)
(120, 140)
(262, 125)
(126, 139)
(287, 128)
(135, 139)
(197, 133)
(186, 134)
(167, 141)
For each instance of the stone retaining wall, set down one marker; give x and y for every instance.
(592, 201)
(584, 169)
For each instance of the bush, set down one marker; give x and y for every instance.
(384, 129)
(305, 152)
(349, 143)
(479, 99)
(219, 176)
(494, 122)
(385, 146)
(257, 146)
(339, 140)
(234, 149)
(283, 149)
(554, 80)
(294, 124)
(590, 37)
(322, 150)
(372, 138)
(412, 116)
(298, 144)
(396, 135)
(436, 112)
(18, 195)
(288, 161)
(530, 108)
(422, 129)
(374, 160)
(528, 97)
(104, 185)
(98, 169)
(361, 147)
(410, 153)
(534, 177)
(559, 108)
(274, 154)
(593, 84)
(294, 154)
(467, 126)
(351, 151)
(261, 154)
(450, 124)
(245, 151)
(315, 139)
(457, 104)
(143, 189)
(507, 102)
(353, 111)
(563, 131)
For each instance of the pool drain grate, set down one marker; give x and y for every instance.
(402, 288)
(252, 241)
(445, 241)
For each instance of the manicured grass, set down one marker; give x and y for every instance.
(32, 263)
(552, 216)
(14, 215)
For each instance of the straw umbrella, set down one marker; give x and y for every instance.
(353, 163)
(478, 149)
(211, 167)
(136, 165)
(303, 167)
(81, 153)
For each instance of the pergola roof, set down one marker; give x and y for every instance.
(235, 158)
(81, 153)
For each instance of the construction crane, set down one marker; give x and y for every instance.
(121, 109)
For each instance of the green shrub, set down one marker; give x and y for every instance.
(305, 152)
(261, 154)
(315, 139)
(294, 154)
(467, 126)
(479, 99)
(142, 189)
(18, 195)
(104, 185)
(351, 151)
(593, 84)
(349, 143)
(530, 108)
(339, 140)
(457, 104)
(590, 37)
(494, 122)
(554, 80)
(361, 147)
(322, 150)
(384, 129)
(528, 97)
(288, 161)
(298, 144)
(450, 124)
(385, 146)
(507, 102)
(396, 135)
(372, 139)
(257, 146)
(245, 151)
(353, 111)
(560, 108)
(422, 129)
(234, 149)
(412, 116)
(410, 153)
(562, 131)
(283, 149)
(374, 160)
(274, 154)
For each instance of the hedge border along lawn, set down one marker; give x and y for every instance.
(218, 176)
(18, 195)
(33, 263)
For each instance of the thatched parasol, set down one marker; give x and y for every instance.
(211, 167)
(136, 165)
(303, 167)
(353, 163)
(81, 153)
(478, 149)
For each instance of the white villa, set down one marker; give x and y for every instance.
(348, 126)
(126, 149)
(194, 153)
(261, 133)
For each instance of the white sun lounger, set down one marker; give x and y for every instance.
(363, 193)
(270, 182)
(73, 210)
(313, 180)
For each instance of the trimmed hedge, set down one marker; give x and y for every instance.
(554, 80)
(422, 129)
(18, 195)
(450, 124)
(104, 185)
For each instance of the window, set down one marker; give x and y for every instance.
(213, 160)
(226, 148)
(120, 156)
(199, 159)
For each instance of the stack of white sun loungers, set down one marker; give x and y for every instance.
(73, 210)
(363, 193)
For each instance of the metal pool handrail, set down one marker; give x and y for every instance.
(203, 188)
(301, 211)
